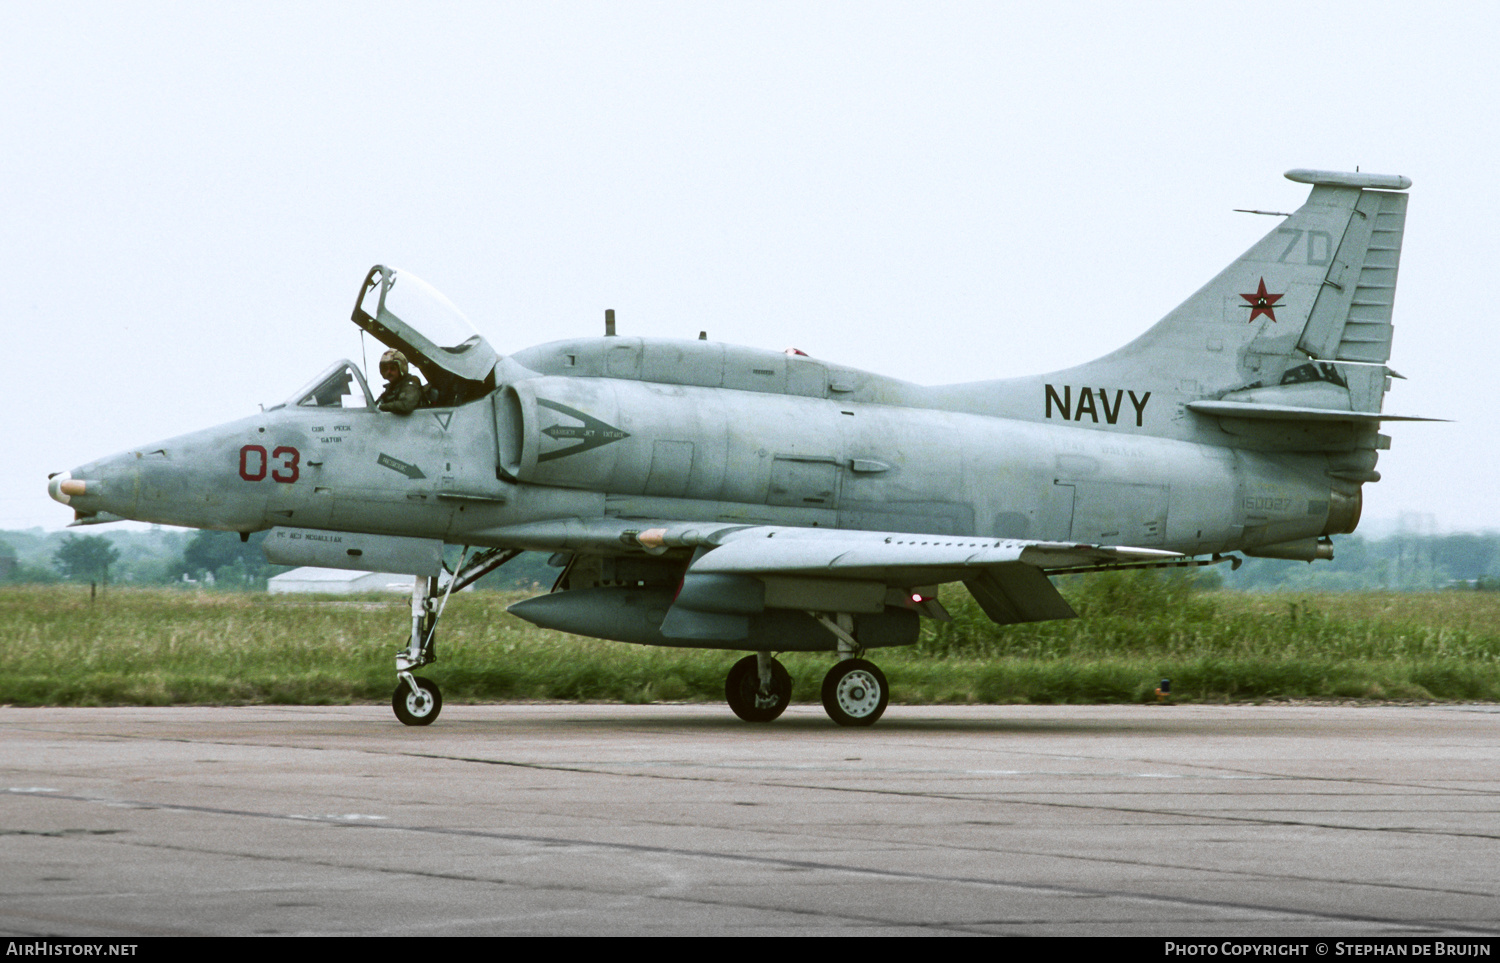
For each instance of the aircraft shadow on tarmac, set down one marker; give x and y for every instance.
(905, 720)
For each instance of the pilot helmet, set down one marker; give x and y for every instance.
(394, 357)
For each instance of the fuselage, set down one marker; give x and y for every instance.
(696, 431)
(687, 488)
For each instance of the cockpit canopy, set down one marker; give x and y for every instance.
(406, 313)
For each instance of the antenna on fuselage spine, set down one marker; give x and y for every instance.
(609, 322)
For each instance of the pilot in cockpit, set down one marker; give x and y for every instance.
(403, 390)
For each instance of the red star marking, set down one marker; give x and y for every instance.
(1262, 303)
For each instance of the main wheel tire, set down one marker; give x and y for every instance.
(855, 693)
(417, 708)
(742, 690)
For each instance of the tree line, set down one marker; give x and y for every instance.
(222, 560)
(164, 557)
(158, 557)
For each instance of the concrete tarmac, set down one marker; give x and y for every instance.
(645, 820)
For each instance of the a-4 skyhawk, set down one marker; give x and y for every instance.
(706, 495)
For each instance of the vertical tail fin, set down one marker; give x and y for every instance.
(1317, 290)
(1301, 320)
(1341, 317)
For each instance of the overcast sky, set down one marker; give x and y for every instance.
(191, 193)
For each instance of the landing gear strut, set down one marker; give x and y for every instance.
(418, 701)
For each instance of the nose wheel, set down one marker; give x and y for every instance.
(417, 702)
(855, 693)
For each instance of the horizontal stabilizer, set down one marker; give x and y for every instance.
(1241, 409)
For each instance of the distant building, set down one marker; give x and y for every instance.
(336, 581)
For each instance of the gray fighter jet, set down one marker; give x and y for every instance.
(705, 495)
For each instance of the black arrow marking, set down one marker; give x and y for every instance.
(593, 432)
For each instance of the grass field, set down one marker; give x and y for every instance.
(166, 647)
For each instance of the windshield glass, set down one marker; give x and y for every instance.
(339, 386)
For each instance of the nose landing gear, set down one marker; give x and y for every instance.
(418, 701)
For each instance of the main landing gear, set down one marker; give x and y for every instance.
(758, 688)
(855, 692)
(417, 701)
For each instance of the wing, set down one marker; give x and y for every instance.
(838, 570)
(1007, 577)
